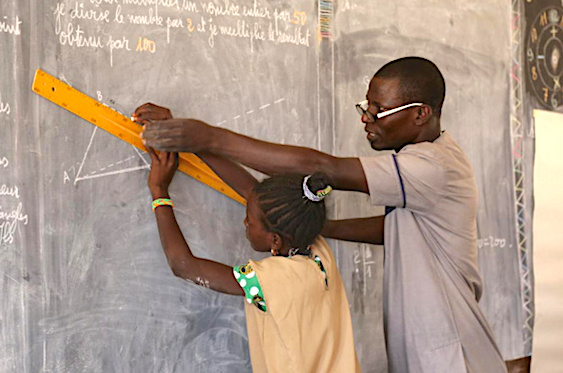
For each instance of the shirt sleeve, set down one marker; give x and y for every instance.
(409, 180)
(248, 281)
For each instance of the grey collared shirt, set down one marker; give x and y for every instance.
(431, 281)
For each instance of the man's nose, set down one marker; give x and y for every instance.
(366, 119)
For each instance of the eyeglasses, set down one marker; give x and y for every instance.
(363, 106)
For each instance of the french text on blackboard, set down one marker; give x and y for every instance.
(4, 106)
(80, 24)
(12, 191)
(10, 216)
(9, 221)
(10, 25)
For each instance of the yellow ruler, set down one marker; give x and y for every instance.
(119, 125)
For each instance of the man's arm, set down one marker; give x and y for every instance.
(270, 158)
(189, 135)
(365, 230)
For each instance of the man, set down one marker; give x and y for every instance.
(431, 282)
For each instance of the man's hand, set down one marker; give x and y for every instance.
(177, 135)
(162, 132)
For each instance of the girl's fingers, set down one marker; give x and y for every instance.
(152, 153)
(171, 157)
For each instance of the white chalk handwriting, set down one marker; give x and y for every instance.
(10, 25)
(491, 242)
(202, 282)
(4, 106)
(9, 222)
(77, 23)
(9, 191)
(4, 162)
(363, 263)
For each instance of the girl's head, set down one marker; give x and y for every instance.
(286, 211)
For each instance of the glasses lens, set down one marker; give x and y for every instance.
(359, 109)
(362, 107)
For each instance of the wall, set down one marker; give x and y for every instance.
(548, 259)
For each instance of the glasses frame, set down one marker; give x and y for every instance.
(382, 114)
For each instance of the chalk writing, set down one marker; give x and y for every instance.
(122, 43)
(77, 23)
(9, 222)
(150, 18)
(4, 106)
(144, 45)
(202, 282)
(10, 219)
(9, 191)
(78, 12)
(10, 26)
(75, 37)
(363, 263)
(4, 162)
(492, 242)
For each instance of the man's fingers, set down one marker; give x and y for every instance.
(162, 135)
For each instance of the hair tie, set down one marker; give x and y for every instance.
(319, 195)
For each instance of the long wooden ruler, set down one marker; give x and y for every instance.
(119, 125)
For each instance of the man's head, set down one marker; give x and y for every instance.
(409, 80)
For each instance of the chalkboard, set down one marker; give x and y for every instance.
(85, 285)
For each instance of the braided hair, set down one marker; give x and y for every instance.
(288, 211)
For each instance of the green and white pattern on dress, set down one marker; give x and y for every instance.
(322, 268)
(248, 281)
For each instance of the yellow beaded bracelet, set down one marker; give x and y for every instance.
(162, 202)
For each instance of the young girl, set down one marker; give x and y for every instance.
(296, 308)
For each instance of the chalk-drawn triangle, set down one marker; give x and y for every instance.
(95, 165)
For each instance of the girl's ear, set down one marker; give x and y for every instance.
(275, 242)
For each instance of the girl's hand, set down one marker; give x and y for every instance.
(163, 167)
(150, 111)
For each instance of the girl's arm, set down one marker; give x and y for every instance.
(236, 176)
(183, 263)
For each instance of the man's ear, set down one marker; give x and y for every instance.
(423, 115)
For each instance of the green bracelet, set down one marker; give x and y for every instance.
(162, 202)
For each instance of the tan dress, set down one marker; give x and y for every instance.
(307, 325)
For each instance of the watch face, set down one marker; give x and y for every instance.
(544, 50)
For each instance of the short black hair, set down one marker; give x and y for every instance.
(288, 212)
(420, 81)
